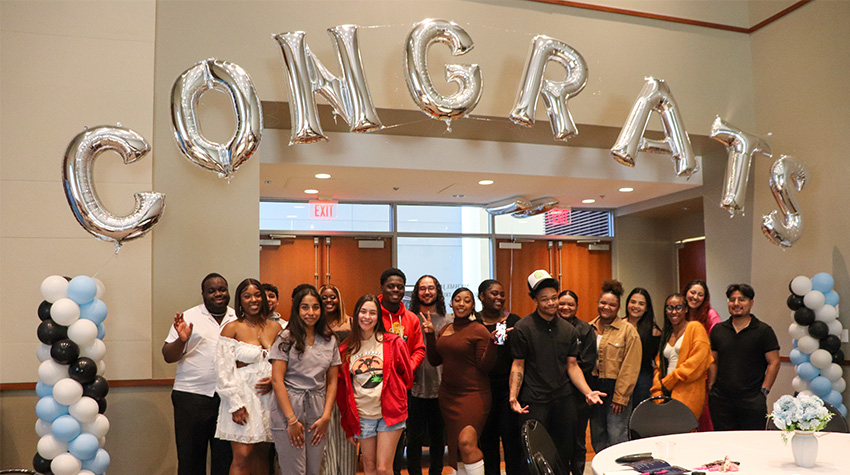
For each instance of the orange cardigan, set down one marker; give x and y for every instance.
(687, 381)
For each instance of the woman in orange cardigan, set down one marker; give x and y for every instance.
(683, 358)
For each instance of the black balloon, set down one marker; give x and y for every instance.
(49, 332)
(804, 316)
(818, 329)
(83, 370)
(41, 464)
(101, 405)
(96, 389)
(44, 310)
(831, 344)
(794, 301)
(65, 351)
(838, 357)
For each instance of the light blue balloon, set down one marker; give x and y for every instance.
(65, 428)
(807, 371)
(794, 343)
(43, 390)
(821, 281)
(48, 410)
(798, 357)
(94, 311)
(84, 447)
(834, 398)
(101, 331)
(97, 464)
(82, 289)
(821, 386)
(842, 409)
(832, 298)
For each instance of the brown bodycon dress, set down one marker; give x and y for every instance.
(465, 387)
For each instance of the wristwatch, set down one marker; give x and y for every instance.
(765, 391)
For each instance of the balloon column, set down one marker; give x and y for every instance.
(71, 386)
(817, 339)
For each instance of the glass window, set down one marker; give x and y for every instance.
(288, 216)
(443, 219)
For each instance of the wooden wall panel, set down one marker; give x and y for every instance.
(512, 269)
(583, 272)
(691, 262)
(357, 271)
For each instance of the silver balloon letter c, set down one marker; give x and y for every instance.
(787, 177)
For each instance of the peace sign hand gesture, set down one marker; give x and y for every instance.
(427, 326)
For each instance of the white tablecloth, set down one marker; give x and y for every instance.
(760, 452)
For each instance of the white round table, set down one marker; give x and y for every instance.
(760, 452)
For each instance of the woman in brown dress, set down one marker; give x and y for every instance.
(465, 350)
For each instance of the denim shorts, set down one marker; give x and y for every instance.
(371, 427)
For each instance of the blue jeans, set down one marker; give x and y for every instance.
(607, 429)
(642, 387)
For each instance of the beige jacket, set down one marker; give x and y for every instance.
(619, 356)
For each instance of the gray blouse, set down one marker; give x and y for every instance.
(305, 371)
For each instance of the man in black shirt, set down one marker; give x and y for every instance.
(545, 371)
(746, 362)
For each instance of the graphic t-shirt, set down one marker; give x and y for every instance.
(367, 376)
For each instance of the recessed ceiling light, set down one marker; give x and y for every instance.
(627, 189)
(485, 182)
(458, 196)
(588, 201)
(322, 176)
(311, 191)
(268, 182)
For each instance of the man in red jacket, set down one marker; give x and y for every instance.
(398, 319)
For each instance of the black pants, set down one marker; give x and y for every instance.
(739, 412)
(425, 427)
(580, 448)
(194, 428)
(559, 419)
(502, 423)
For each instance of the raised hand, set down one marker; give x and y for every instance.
(427, 326)
(184, 330)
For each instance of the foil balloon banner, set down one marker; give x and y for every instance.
(78, 182)
(555, 93)
(656, 97)
(466, 76)
(349, 95)
(508, 206)
(538, 206)
(741, 146)
(785, 226)
(231, 79)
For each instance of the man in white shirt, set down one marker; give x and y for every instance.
(191, 343)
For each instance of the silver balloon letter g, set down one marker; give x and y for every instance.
(77, 180)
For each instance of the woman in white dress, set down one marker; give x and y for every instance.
(244, 383)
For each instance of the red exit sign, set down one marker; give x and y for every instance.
(323, 209)
(558, 216)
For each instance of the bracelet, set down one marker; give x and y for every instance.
(293, 416)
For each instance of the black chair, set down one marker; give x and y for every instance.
(540, 452)
(836, 424)
(661, 415)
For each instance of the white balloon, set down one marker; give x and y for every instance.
(801, 285)
(84, 410)
(54, 288)
(98, 427)
(835, 328)
(821, 359)
(101, 289)
(814, 300)
(82, 332)
(65, 311)
(49, 447)
(833, 372)
(43, 428)
(101, 367)
(826, 314)
(43, 352)
(102, 442)
(65, 464)
(799, 384)
(95, 351)
(808, 344)
(806, 392)
(839, 385)
(797, 331)
(50, 372)
(67, 391)
(86, 472)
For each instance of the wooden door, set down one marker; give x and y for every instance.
(691, 262)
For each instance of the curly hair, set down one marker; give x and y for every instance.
(416, 304)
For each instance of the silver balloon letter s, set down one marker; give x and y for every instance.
(555, 93)
(349, 96)
(656, 96)
(231, 79)
(740, 146)
(77, 179)
(466, 76)
(787, 177)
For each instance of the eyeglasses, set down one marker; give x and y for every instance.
(429, 288)
(328, 297)
(675, 308)
(738, 299)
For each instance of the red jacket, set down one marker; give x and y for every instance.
(398, 376)
(406, 324)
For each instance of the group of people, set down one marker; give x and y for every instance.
(318, 383)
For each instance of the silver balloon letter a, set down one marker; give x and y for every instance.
(466, 76)
(349, 96)
(555, 93)
(787, 177)
(231, 79)
(77, 170)
(740, 146)
(656, 96)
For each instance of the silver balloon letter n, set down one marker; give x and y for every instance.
(77, 170)
(656, 97)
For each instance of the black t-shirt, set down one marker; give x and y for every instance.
(741, 363)
(546, 348)
(587, 353)
(502, 368)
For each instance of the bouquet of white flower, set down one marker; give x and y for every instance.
(803, 412)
